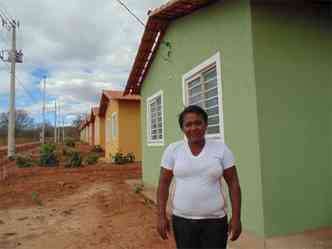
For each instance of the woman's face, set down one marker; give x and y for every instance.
(194, 127)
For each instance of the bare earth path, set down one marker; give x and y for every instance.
(90, 207)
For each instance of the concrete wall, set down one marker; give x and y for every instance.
(292, 50)
(102, 131)
(224, 27)
(130, 128)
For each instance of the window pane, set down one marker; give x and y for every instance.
(213, 130)
(201, 104)
(195, 90)
(212, 111)
(211, 93)
(210, 84)
(194, 82)
(213, 121)
(211, 102)
(196, 99)
(154, 137)
(158, 100)
(212, 73)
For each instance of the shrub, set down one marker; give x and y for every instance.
(74, 160)
(24, 160)
(91, 158)
(70, 142)
(119, 158)
(130, 157)
(48, 156)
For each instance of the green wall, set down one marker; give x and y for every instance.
(223, 27)
(292, 50)
(330, 108)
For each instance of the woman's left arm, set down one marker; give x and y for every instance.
(232, 180)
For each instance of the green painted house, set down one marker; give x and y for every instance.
(263, 72)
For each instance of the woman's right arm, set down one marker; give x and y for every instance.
(165, 179)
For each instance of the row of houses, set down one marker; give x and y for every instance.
(114, 125)
(263, 72)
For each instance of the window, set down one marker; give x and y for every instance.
(155, 120)
(202, 86)
(114, 125)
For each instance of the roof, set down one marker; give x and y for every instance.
(95, 111)
(106, 96)
(119, 95)
(155, 28)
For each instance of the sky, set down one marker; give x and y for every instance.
(81, 47)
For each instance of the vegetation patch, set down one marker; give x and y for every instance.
(48, 155)
(24, 161)
(119, 158)
(74, 160)
(91, 158)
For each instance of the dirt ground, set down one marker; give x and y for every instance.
(90, 207)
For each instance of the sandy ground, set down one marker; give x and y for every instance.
(90, 207)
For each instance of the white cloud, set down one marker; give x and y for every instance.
(86, 46)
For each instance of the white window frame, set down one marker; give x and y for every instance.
(114, 125)
(215, 59)
(158, 142)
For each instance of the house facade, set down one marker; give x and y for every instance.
(99, 128)
(122, 124)
(263, 73)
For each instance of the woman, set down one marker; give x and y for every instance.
(199, 217)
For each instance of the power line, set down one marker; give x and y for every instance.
(22, 85)
(131, 12)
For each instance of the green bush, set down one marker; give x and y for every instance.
(91, 158)
(70, 142)
(74, 160)
(24, 161)
(119, 158)
(48, 156)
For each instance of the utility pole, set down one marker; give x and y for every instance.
(63, 129)
(59, 117)
(55, 126)
(11, 119)
(44, 122)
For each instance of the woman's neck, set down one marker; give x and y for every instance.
(196, 144)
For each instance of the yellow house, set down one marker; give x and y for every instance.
(122, 123)
(99, 128)
(90, 129)
(84, 131)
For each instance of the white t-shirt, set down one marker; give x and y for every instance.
(198, 193)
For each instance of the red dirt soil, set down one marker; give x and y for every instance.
(90, 207)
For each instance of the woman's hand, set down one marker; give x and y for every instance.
(234, 229)
(163, 227)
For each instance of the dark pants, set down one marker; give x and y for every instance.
(200, 234)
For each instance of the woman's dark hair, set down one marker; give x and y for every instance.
(192, 109)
